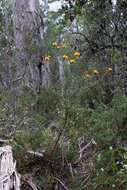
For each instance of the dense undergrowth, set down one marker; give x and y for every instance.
(83, 139)
(78, 123)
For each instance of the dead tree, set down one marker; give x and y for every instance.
(9, 177)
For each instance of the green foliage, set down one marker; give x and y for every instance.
(27, 140)
(102, 128)
(91, 104)
(110, 168)
(48, 102)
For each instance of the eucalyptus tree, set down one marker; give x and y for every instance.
(28, 27)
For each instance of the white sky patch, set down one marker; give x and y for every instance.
(55, 6)
(114, 2)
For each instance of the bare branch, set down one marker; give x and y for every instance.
(63, 185)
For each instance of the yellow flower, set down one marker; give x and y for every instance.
(47, 58)
(87, 76)
(54, 44)
(63, 46)
(77, 54)
(109, 69)
(72, 61)
(96, 71)
(65, 57)
(58, 46)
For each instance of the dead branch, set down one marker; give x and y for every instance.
(28, 179)
(9, 178)
(36, 154)
(63, 185)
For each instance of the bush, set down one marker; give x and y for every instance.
(111, 169)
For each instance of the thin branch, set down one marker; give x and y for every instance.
(63, 185)
(36, 154)
(59, 136)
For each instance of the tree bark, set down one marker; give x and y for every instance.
(29, 70)
(9, 178)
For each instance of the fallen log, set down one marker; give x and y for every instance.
(9, 178)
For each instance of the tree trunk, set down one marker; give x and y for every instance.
(28, 67)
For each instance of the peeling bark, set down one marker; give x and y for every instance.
(9, 178)
(28, 27)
